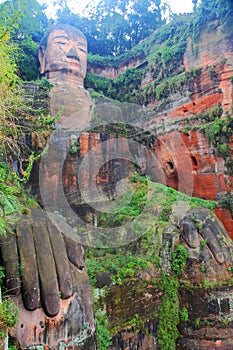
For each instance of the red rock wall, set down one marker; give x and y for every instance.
(187, 163)
(111, 72)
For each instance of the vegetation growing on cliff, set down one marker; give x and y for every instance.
(28, 23)
(117, 34)
(113, 27)
(219, 132)
(164, 62)
(126, 265)
(211, 10)
(8, 311)
(13, 200)
(163, 54)
(10, 191)
(168, 317)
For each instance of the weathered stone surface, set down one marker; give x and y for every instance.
(54, 297)
(72, 327)
(112, 72)
(187, 162)
(63, 56)
(205, 291)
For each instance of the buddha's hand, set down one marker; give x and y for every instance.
(38, 260)
(202, 230)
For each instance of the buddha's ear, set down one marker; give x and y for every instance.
(41, 54)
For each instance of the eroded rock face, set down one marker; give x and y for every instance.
(204, 291)
(211, 87)
(72, 327)
(190, 165)
(184, 161)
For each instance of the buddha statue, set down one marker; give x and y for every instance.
(63, 61)
(54, 293)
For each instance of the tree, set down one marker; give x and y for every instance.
(145, 16)
(9, 95)
(28, 29)
(194, 5)
(225, 11)
(211, 10)
(115, 26)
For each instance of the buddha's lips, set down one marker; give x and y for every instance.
(74, 62)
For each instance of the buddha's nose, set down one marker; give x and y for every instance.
(73, 53)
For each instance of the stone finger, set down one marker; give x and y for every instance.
(61, 262)
(75, 253)
(189, 233)
(212, 243)
(10, 261)
(47, 270)
(30, 280)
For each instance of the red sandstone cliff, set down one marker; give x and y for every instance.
(213, 56)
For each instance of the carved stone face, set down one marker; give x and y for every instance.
(65, 57)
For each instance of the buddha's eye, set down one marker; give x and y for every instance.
(61, 42)
(82, 50)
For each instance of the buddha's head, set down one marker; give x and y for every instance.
(63, 55)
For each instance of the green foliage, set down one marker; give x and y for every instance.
(26, 173)
(124, 209)
(219, 133)
(197, 322)
(27, 61)
(121, 268)
(11, 109)
(127, 87)
(168, 317)
(177, 83)
(9, 94)
(213, 113)
(223, 148)
(113, 27)
(10, 194)
(8, 316)
(104, 336)
(74, 148)
(186, 131)
(97, 83)
(125, 264)
(226, 202)
(27, 31)
(12, 198)
(44, 83)
(180, 256)
(169, 196)
(202, 267)
(159, 195)
(219, 129)
(209, 11)
(203, 244)
(136, 322)
(163, 53)
(184, 316)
